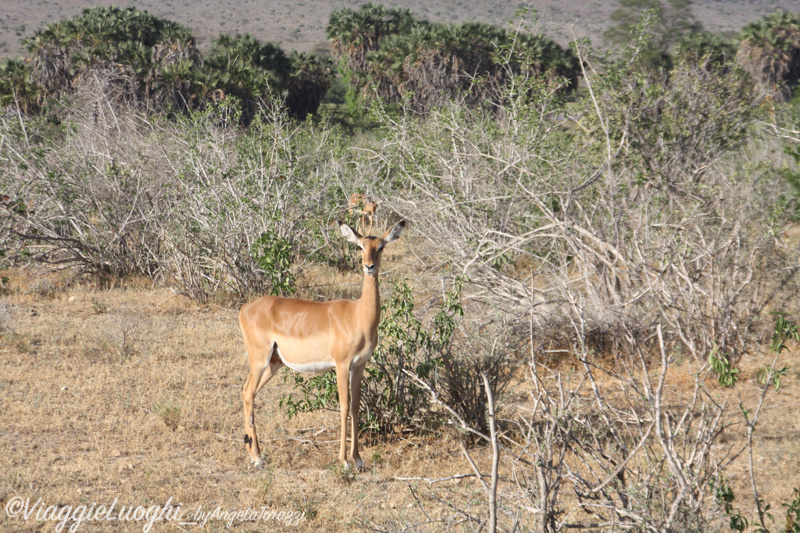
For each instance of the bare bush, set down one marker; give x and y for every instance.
(84, 202)
(632, 223)
(631, 450)
(634, 206)
(230, 189)
(602, 451)
(485, 350)
(183, 201)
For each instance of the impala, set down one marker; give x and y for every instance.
(361, 205)
(315, 337)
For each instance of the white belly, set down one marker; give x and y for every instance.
(318, 367)
(307, 368)
(310, 368)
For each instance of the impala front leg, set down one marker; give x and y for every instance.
(343, 384)
(355, 404)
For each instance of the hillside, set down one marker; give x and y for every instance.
(301, 25)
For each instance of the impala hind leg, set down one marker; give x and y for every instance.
(261, 371)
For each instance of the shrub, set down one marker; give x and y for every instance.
(612, 222)
(190, 202)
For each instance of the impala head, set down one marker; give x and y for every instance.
(370, 206)
(372, 247)
(356, 199)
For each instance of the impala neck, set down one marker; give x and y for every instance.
(370, 297)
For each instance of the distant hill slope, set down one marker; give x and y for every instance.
(300, 25)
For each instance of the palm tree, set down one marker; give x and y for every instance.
(16, 87)
(100, 37)
(353, 34)
(769, 51)
(450, 60)
(243, 67)
(308, 80)
(705, 47)
(170, 81)
(436, 63)
(174, 89)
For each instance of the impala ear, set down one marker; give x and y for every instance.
(394, 233)
(350, 234)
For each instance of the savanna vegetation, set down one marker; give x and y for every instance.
(597, 294)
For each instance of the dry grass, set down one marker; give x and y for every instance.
(133, 394)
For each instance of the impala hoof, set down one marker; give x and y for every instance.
(358, 466)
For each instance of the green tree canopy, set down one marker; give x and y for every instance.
(769, 51)
(62, 50)
(435, 62)
(151, 60)
(249, 69)
(671, 20)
